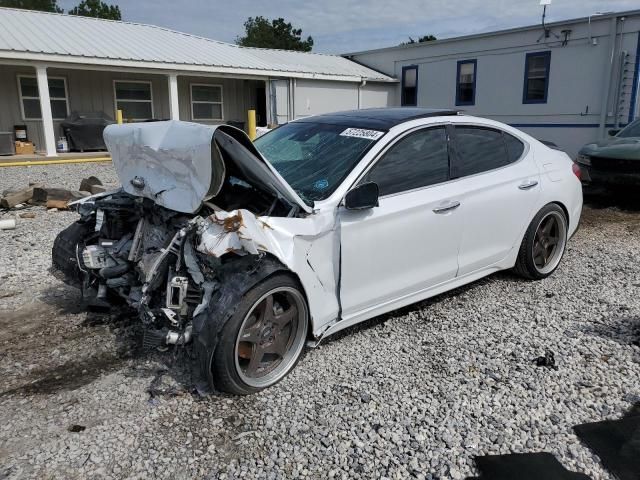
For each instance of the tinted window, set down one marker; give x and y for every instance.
(418, 160)
(479, 150)
(514, 147)
(409, 86)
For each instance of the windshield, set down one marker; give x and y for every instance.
(314, 158)
(631, 130)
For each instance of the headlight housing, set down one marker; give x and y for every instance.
(584, 160)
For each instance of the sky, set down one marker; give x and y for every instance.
(342, 26)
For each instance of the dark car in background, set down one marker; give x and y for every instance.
(614, 161)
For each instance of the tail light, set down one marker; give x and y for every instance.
(576, 170)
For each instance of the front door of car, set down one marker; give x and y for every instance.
(500, 188)
(409, 242)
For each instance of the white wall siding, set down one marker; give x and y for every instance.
(577, 76)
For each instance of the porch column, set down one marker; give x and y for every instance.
(174, 107)
(45, 110)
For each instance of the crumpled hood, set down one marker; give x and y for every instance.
(627, 148)
(178, 164)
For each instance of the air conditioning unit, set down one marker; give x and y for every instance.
(7, 145)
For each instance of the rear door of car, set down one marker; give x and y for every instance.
(500, 182)
(410, 241)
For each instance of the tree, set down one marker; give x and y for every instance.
(41, 5)
(263, 33)
(96, 9)
(424, 38)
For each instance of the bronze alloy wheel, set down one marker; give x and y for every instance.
(271, 337)
(549, 242)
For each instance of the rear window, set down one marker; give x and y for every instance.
(479, 150)
(515, 147)
(314, 158)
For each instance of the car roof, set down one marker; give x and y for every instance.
(377, 118)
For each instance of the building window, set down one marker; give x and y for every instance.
(409, 86)
(206, 102)
(466, 82)
(135, 99)
(536, 77)
(30, 97)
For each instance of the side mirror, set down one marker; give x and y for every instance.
(362, 197)
(614, 131)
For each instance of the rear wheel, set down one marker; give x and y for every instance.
(543, 244)
(264, 338)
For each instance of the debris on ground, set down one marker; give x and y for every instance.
(7, 224)
(51, 197)
(77, 428)
(547, 360)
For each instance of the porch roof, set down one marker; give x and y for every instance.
(49, 37)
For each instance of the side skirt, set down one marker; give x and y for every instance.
(419, 296)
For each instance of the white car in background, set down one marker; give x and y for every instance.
(250, 250)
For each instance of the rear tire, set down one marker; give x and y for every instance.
(263, 339)
(544, 244)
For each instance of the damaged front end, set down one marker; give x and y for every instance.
(160, 242)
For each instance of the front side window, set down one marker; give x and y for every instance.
(466, 83)
(418, 160)
(206, 102)
(479, 150)
(30, 98)
(631, 130)
(314, 158)
(536, 77)
(410, 86)
(134, 99)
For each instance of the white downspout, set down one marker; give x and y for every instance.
(174, 106)
(613, 30)
(45, 110)
(360, 86)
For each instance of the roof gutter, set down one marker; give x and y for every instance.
(26, 58)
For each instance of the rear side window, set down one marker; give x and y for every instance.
(514, 147)
(479, 150)
(418, 160)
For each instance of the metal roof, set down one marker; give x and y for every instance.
(474, 36)
(51, 37)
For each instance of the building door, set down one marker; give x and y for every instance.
(261, 106)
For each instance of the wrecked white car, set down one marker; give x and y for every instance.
(247, 251)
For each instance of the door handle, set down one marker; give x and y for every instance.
(446, 208)
(528, 185)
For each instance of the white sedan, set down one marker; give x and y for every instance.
(249, 251)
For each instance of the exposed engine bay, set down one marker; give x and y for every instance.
(201, 220)
(129, 247)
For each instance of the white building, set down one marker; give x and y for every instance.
(568, 84)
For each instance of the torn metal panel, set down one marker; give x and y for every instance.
(170, 163)
(308, 247)
(180, 165)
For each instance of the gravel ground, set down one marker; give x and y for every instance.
(416, 393)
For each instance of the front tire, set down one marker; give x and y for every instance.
(544, 244)
(263, 339)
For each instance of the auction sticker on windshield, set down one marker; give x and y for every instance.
(362, 133)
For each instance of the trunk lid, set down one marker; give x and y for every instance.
(179, 165)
